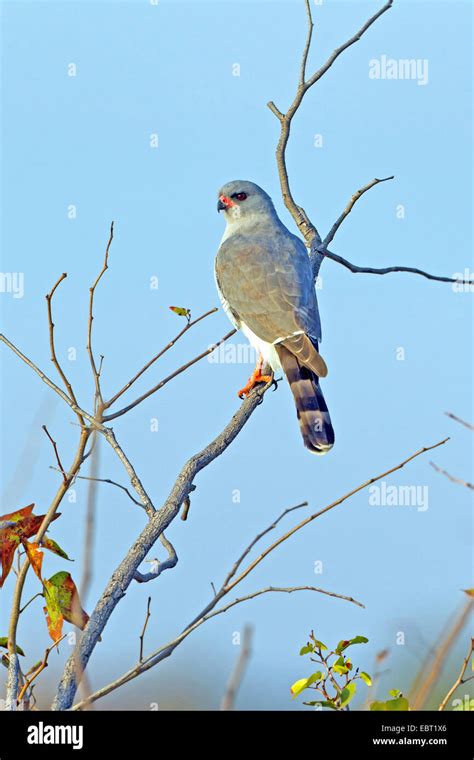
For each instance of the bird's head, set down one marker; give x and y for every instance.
(241, 200)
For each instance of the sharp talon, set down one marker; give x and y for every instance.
(274, 384)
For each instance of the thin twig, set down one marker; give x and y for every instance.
(450, 477)
(314, 516)
(207, 612)
(163, 351)
(55, 448)
(458, 419)
(257, 538)
(307, 46)
(306, 227)
(54, 359)
(112, 483)
(460, 679)
(125, 572)
(358, 194)
(318, 248)
(145, 625)
(158, 386)
(41, 667)
(105, 266)
(228, 700)
(73, 404)
(168, 648)
(388, 270)
(29, 602)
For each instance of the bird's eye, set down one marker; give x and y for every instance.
(239, 196)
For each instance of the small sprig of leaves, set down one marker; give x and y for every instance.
(398, 703)
(336, 680)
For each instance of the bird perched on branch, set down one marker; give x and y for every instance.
(265, 283)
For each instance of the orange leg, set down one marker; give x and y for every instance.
(255, 377)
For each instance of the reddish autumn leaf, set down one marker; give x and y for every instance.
(48, 543)
(20, 514)
(35, 555)
(15, 528)
(62, 603)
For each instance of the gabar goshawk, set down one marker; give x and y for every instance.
(265, 282)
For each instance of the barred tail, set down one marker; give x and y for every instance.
(311, 409)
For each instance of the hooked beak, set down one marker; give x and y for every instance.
(221, 206)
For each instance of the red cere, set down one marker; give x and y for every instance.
(227, 201)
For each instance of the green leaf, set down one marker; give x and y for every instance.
(314, 678)
(378, 707)
(317, 643)
(306, 649)
(400, 704)
(394, 692)
(340, 666)
(347, 693)
(181, 311)
(366, 678)
(4, 643)
(298, 687)
(349, 642)
(323, 703)
(303, 683)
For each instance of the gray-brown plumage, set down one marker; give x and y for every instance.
(265, 282)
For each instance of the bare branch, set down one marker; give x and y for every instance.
(66, 693)
(125, 573)
(29, 602)
(95, 372)
(460, 679)
(458, 419)
(387, 270)
(49, 299)
(358, 194)
(160, 567)
(451, 477)
(163, 351)
(133, 404)
(137, 485)
(145, 625)
(112, 483)
(186, 506)
(74, 406)
(307, 46)
(166, 650)
(257, 538)
(306, 227)
(318, 248)
(12, 681)
(336, 503)
(55, 448)
(355, 38)
(228, 700)
(43, 664)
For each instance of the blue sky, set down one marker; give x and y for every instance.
(84, 141)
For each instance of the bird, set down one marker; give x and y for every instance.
(265, 283)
